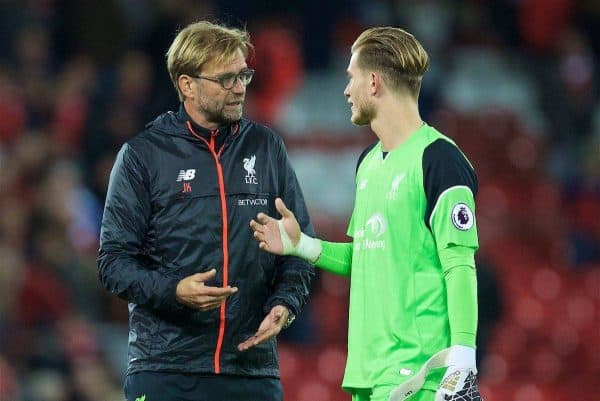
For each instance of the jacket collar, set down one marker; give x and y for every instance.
(223, 130)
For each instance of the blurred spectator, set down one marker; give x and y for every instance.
(279, 69)
(93, 381)
(74, 87)
(12, 109)
(543, 21)
(569, 93)
(48, 385)
(587, 17)
(99, 31)
(33, 62)
(11, 282)
(490, 309)
(9, 386)
(584, 228)
(14, 216)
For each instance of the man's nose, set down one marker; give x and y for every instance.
(346, 92)
(238, 86)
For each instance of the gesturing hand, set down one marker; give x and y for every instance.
(192, 292)
(277, 236)
(270, 327)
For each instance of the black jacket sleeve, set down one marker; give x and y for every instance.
(294, 275)
(127, 212)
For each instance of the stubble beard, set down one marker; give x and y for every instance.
(232, 116)
(222, 116)
(364, 115)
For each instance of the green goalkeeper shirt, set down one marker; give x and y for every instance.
(413, 208)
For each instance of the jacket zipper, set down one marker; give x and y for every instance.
(216, 156)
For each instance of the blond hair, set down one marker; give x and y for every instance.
(396, 54)
(201, 42)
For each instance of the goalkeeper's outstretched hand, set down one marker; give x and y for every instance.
(460, 380)
(273, 234)
(283, 236)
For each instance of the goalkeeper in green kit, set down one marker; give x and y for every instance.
(413, 289)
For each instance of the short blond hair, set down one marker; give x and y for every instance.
(201, 42)
(396, 54)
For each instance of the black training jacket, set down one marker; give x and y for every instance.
(177, 204)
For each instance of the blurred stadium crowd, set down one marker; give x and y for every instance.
(515, 83)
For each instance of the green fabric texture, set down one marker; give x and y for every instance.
(461, 285)
(336, 257)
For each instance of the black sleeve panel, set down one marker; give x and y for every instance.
(363, 154)
(444, 166)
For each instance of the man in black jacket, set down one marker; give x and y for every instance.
(205, 303)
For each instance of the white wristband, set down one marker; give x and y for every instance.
(308, 248)
(461, 356)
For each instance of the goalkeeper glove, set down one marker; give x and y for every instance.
(460, 380)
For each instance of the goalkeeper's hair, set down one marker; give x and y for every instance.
(396, 54)
(202, 42)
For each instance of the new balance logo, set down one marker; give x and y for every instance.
(186, 175)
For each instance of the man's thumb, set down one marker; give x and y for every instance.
(282, 209)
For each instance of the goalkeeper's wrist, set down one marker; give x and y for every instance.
(461, 356)
(308, 248)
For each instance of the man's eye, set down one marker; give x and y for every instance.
(228, 78)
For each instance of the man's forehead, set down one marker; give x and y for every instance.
(233, 63)
(352, 63)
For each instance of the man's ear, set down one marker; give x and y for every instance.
(374, 83)
(184, 83)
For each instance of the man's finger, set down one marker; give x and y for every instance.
(256, 339)
(263, 218)
(207, 303)
(209, 299)
(256, 227)
(259, 236)
(282, 209)
(207, 307)
(219, 291)
(204, 276)
(201, 304)
(246, 344)
(261, 336)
